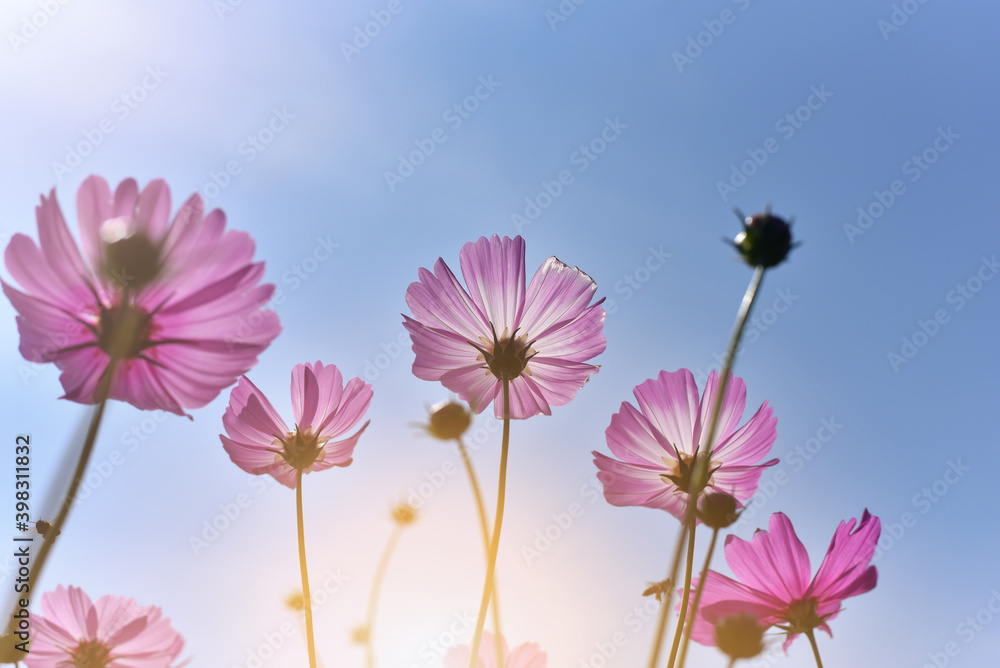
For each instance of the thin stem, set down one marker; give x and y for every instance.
(306, 595)
(741, 320)
(700, 467)
(732, 662)
(495, 542)
(383, 565)
(699, 590)
(682, 615)
(104, 389)
(812, 641)
(669, 597)
(485, 529)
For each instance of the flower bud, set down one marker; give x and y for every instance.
(740, 635)
(448, 420)
(765, 240)
(404, 514)
(717, 509)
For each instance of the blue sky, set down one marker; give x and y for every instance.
(634, 130)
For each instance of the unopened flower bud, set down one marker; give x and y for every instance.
(740, 635)
(765, 240)
(449, 420)
(404, 514)
(717, 509)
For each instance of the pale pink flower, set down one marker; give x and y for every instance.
(656, 443)
(259, 442)
(527, 655)
(538, 337)
(177, 305)
(773, 571)
(115, 632)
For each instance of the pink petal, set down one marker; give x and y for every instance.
(670, 402)
(152, 212)
(845, 570)
(638, 485)
(439, 301)
(633, 439)
(750, 442)
(729, 416)
(493, 270)
(558, 294)
(775, 563)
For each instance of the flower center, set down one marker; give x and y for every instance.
(682, 472)
(801, 616)
(130, 260)
(90, 654)
(300, 450)
(123, 331)
(508, 356)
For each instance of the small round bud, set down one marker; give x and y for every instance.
(717, 509)
(359, 635)
(404, 514)
(449, 420)
(765, 240)
(295, 601)
(740, 635)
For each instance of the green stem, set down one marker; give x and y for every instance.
(668, 598)
(812, 641)
(682, 615)
(306, 595)
(383, 565)
(495, 542)
(74, 486)
(700, 468)
(699, 590)
(485, 530)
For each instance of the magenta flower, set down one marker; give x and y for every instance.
(259, 442)
(115, 632)
(657, 443)
(538, 338)
(177, 307)
(527, 655)
(773, 569)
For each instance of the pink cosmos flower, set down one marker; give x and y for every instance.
(177, 306)
(259, 441)
(115, 632)
(527, 655)
(538, 337)
(657, 443)
(773, 569)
